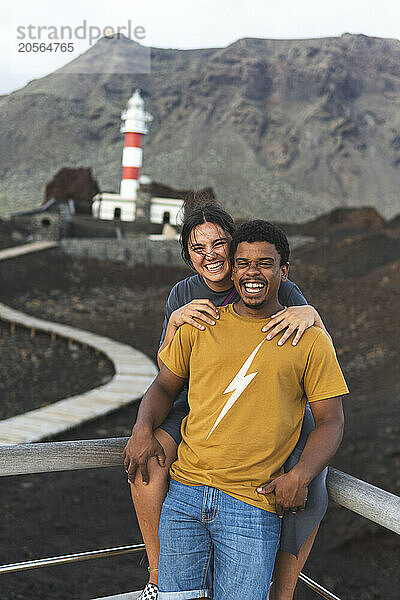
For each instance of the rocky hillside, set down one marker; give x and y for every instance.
(289, 127)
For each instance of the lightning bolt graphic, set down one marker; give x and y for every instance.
(238, 384)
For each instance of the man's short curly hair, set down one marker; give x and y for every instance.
(261, 231)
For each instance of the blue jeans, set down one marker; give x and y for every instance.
(214, 546)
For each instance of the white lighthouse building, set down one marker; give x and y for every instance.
(134, 126)
(124, 206)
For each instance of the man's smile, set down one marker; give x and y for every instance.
(253, 287)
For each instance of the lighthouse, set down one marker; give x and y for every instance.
(135, 201)
(134, 126)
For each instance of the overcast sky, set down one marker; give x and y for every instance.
(181, 24)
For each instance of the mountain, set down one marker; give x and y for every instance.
(287, 129)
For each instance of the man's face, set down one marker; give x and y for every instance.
(257, 273)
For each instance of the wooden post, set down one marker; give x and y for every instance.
(33, 332)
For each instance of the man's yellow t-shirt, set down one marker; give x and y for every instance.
(247, 397)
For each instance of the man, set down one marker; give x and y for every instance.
(220, 526)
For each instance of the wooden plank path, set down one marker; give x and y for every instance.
(134, 372)
(26, 249)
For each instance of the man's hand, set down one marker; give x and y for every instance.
(141, 446)
(290, 493)
(291, 488)
(154, 407)
(292, 319)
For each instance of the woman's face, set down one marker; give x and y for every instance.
(208, 247)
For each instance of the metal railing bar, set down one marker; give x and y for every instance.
(316, 587)
(23, 459)
(365, 499)
(69, 558)
(118, 551)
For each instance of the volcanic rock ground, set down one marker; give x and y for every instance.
(354, 284)
(9, 236)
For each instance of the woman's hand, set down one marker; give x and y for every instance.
(200, 309)
(293, 318)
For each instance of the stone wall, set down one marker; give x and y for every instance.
(133, 251)
(140, 250)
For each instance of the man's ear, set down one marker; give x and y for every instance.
(284, 271)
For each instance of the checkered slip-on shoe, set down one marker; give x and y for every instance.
(150, 592)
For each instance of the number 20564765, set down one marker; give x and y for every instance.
(43, 47)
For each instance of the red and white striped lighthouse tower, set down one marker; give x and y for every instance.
(134, 126)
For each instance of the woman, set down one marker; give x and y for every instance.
(205, 238)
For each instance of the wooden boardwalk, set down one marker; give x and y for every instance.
(133, 374)
(26, 249)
